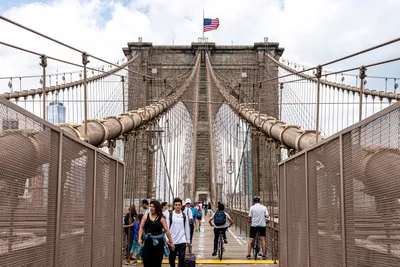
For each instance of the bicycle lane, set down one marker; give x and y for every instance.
(236, 249)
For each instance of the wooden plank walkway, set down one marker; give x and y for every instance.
(235, 250)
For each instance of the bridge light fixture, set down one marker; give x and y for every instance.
(230, 165)
(154, 131)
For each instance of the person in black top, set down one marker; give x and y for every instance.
(151, 232)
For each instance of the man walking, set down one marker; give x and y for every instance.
(189, 213)
(145, 206)
(178, 224)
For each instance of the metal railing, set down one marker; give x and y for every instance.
(339, 200)
(60, 198)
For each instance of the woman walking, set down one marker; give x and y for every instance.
(151, 232)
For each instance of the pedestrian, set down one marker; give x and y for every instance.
(145, 206)
(151, 233)
(209, 208)
(189, 212)
(197, 216)
(135, 246)
(129, 218)
(178, 223)
(164, 206)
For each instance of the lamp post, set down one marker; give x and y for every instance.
(154, 131)
(230, 165)
(230, 168)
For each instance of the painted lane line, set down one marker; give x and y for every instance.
(237, 239)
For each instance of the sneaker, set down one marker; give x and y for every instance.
(264, 257)
(214, 254)
(225, 241)
(248, 257)
(127, 263)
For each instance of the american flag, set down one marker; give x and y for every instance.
(210, 24)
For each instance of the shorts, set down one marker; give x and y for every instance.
(254, 229)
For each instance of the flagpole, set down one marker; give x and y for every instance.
(203, 26)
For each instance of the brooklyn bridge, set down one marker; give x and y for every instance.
(213, 123)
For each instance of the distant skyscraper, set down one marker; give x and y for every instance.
(56, 112)
(9, 124)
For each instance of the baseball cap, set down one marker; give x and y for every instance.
(187, 201)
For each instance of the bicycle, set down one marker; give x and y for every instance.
(256, 246)
(220, 247)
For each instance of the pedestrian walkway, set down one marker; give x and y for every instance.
(235, 251)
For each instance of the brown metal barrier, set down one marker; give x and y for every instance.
(60, 198)
(339, 200)
(240, 219)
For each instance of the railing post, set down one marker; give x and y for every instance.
(362, 77)
(318, 74)
(93, 208)
(116, 219)
(58, 207)
(307, 211)
(43, 63)
(85, 61)
(342, 196)
(286, 225)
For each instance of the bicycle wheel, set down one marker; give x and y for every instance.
(256, 247)
(220, 246)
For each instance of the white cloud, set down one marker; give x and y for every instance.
(311, 31)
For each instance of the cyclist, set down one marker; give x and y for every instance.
(220, 218)
(258, 216)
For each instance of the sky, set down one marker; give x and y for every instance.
(311, 31)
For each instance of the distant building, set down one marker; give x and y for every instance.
(56, 112)
(248, 171)
(9, 124)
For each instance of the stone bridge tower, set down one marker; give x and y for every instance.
(245, 66)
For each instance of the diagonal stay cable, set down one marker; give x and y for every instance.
(71, 47)
(166, 170)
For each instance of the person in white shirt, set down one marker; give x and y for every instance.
(165, 211)
(178, 224)
(145, 206)
(258, 216)
(189, 213)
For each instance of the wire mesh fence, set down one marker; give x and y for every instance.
(60, 198)
(340, 200)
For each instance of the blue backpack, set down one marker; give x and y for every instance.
(198, 214)
(219, 218)
(193, 214)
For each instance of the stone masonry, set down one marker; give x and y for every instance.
(242, 66)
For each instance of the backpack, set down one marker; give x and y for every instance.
(193, 213)
(170, 218)
(219, 218)
(198, 214)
